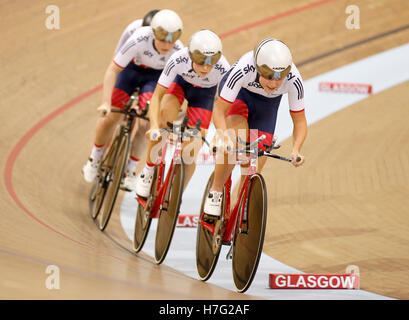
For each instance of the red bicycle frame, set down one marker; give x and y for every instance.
(161, 188)
(230, 217)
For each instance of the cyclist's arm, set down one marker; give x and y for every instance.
(219, 113)
(297, 106)
(154, 107)
(120, 61)
(299, 131)
(109, 82)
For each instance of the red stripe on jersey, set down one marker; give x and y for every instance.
(225, 99)
(162, 85)
(144, 66)
(118, 65)
(297, 111)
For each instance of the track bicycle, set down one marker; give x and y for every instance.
(242, 228)
(165, 197)
(111, 170)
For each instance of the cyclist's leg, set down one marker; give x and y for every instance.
(200, 107)
(128, 79)
(224, 167)
(237, 119)
(105, 126)
(146, 84)
(169, 106)
(260, 122)
(139, 142)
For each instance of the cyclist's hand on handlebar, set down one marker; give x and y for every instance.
(153, 134)
(104, 109)
(226, 144)
(297, 159)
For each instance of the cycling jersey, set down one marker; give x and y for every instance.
(129, 30)
(140, 49)
(182, 81)
(180, 64)
(244, 75)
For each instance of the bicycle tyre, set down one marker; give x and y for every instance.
(98, 191)
(207, 251)
(114, 181)
(143, 219)
(168, 216)
(247, 247)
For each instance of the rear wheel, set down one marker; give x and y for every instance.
(143, 219)
(248, 243)
(208, 244)
(169, 213)
(113, 180)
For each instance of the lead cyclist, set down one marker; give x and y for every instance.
(249, 98)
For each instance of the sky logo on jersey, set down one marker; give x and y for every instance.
(142, 38)
(248, 69)
(182, 60)
(255, 84)
(220, 68)
(290, 76)
(148, 53)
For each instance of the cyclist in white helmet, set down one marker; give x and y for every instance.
(133, 26)
(137, 64)
(193, 74)
(249, 97)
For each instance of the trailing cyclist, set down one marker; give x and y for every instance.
(193, 74)
(137, 64)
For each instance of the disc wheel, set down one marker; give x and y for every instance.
(169, 212)
(208, 245)
(248, 244)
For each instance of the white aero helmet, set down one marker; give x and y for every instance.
(273, 59)
(205, 47)
(167, 25)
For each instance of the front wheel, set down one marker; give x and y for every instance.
(249, 239)
(113, 181)
(98, 191)
(169, 212)
(143, 218)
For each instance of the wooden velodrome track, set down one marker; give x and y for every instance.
(347, 205)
